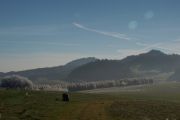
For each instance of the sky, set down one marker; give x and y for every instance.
(44, 33)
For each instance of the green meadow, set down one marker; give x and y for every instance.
(152, 102)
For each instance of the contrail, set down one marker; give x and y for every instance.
(111, 34)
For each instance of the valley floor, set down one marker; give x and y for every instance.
(155, 102)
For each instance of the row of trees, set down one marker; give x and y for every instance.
(15, 81)
(106, 84)
(50, 87)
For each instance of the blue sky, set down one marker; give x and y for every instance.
(41, 33)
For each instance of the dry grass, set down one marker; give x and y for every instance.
(151, 104)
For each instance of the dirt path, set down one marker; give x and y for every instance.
(94, 110)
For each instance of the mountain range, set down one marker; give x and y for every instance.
(51, 74)
(154, 64)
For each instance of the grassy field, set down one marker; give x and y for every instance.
(156, 102)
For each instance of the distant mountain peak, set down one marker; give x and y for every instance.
(81, 61)
(155, 52)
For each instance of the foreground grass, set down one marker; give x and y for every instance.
(150, 104)
(144, 110)
(41, 105)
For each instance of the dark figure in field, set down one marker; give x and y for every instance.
(65, 97)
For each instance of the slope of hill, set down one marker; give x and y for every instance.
(154, 60)
(1, 73)
(148, 64)
(151, 64)
(100, 70)
(175, 76)
(52, 73)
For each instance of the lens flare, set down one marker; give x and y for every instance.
(149, 14)
(133, 25)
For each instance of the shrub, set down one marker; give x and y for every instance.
(16, 81)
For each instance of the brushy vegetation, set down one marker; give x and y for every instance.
(16, 81)
(157, 102)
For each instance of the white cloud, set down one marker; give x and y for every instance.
(169, 47)
(111, 34)
(141, 44)
(127, 52)
(177, 40)
(149, 46)
(146, 48)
